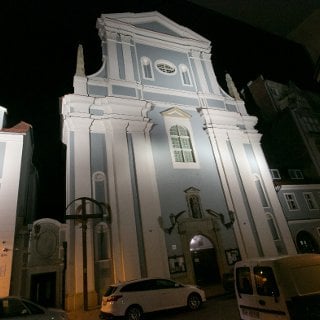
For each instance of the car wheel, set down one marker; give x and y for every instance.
(134, 313)
(194, 301)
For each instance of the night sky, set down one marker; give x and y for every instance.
(38, 51)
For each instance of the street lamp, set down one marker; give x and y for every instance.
(83, 218)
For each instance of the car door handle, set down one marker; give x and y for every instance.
(262, 302)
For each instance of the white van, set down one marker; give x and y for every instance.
(286, 287)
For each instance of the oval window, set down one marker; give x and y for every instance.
(165, 67)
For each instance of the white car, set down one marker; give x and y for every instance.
(133, 298)
(16, 308)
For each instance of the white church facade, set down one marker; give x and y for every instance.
(175, 160)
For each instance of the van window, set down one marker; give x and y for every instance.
(265, 281)
(244, 284)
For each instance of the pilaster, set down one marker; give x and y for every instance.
(195, 56)
(128, 63)
(150, 210)
(124, 239)
(112, 59)
(278, 214)
(234, 189)
(255, 208)
(211, 74)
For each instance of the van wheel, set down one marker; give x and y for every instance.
(134, 313)
(194, 301)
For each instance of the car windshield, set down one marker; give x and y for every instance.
(33, 308)
(110, 291)
(11, 308)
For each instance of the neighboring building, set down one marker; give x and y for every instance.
(32, 252)
(301, 207)
(18, 185)
(290, 122)
(307, 35)
(179, 162)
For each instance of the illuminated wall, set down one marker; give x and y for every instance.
(152, 134)
(13, 147)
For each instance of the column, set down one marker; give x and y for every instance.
(79, 185)
(127, 57)
(195, 56)
(212, 77)
(153, 235)
(272, 195)
(232, 188)
(113, 64)
(124, 240)
(237, 140)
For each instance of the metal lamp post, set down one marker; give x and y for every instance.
(83, 218)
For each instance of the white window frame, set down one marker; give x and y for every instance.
(292, 203)
(310, 201)
(185, 70)
(295, 174)
(166, 62)
(146, 62)
(176, 116)
(185, 147)
(275, 174)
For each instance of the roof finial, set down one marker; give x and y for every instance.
(80, 62)
(232, 88)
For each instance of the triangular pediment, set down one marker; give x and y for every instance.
(155, 22)
(176, 113)
(192, 190)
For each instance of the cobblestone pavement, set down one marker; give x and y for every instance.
(222, 307)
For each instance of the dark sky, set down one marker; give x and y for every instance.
(38, 58)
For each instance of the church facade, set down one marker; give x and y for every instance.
(174, 160)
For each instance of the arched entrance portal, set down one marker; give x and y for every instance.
(204, 259)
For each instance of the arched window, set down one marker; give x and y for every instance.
(185, 75)
(194, 202)
(306, 243)
(261, 191)
(99, 185)
(146, 68)
(181, 143)
(273, 228)
(101, 239)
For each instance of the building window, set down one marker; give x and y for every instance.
(147, 68)
(185, 75)
(310, 200)
(99, 185)
(194, 203)
(261, 192)
(273, 228)
(275, 174)
(291, 201)
(165, 67)
(102, 246)
(310, 124)
(180, 139)
(181, 143)
(295, 174)
(306, 243)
